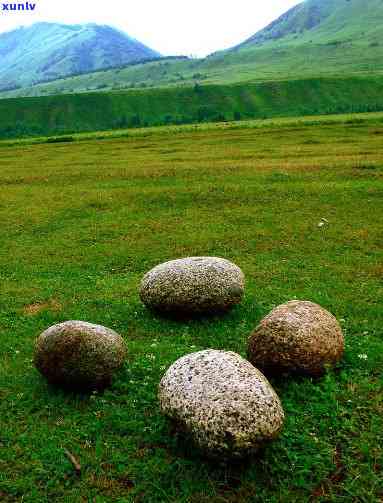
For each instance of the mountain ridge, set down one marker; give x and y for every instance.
(44, 51)
(305, 15)
(317, 21)
(315, 38)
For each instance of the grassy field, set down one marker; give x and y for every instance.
(68, 114)
(80, 224)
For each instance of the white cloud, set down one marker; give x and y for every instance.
(169, 26)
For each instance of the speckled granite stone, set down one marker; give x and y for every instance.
(226, 405)
(299, 337)
(79, 355)
(194, 285)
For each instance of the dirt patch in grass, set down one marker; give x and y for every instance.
(38, 307)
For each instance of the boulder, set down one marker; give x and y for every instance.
(298, 337)
(193, 286)
(225, 404)
(79, 355)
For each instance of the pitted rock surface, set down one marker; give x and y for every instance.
(194, 285)
(79, 355)
(298, 337)
(225, 404)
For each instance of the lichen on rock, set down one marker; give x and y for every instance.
(297, 337)
(225, 404)
(79, 355)
(193, 286)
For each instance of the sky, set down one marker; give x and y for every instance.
(172, 27)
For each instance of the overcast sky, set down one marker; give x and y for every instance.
(194, 27)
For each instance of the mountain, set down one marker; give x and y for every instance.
(47, 51)
(323, 21)
(317, 38)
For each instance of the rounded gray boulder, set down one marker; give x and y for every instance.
(193, 286)
(225, 404)
(79, 355)
(298, 337)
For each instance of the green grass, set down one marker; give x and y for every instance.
(80, 224)
(69, 114)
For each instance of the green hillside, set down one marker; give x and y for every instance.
(272, 64)
(102, 111)
(290, 68)
(316, 38)
(47, 51)
(321, 22)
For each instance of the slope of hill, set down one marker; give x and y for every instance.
(324, 21)
(316, 38)
(47, 51)
(327, 33)
(66, 114)
(303, 17)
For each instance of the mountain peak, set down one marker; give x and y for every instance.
(321, 21)
(46, 51)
